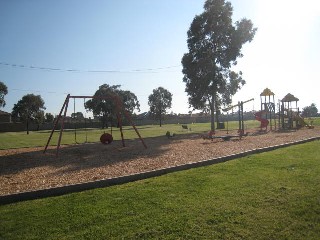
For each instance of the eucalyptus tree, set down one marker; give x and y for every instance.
(3, 92)
(310, 111)
(105, 107)
(214, 44)
(159, 101)
(29, 108)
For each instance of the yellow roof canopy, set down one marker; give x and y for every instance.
(267, 92)
(290, 98)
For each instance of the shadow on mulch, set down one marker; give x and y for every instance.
(87, 156)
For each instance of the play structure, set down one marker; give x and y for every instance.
(241, 129)
(105, 138)
(289, 114)
(240, 115)
(75, 126)
(285, 112)
(264, 122)
(267, 114)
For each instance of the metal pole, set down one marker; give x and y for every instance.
(134, 127)
(120, 125)
(118, 113)
(62, 124)
(270, 113)
(85, 120)
(56, 122)
(242, 122)
(274, 114)
(74, 120)
(239, 115)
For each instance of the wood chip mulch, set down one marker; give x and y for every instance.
(28, 169)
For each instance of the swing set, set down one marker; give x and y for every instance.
(240, 115)
(105, 138)
(240, 121)
(75, 125)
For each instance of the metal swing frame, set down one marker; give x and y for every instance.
(119, 110)
(240, 118)
(85, 122)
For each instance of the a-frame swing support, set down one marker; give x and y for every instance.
(119, 109)
(240, 114)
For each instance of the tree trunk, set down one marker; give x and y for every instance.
(160, 113)
(103, 121)
(217, 117)
(218, 113)
(212, 121)
(28, 126)
(212, 107)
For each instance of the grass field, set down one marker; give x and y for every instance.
(39, 138)
(274, 195)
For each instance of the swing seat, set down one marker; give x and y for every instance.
(106, 138)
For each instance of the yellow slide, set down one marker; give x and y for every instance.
(301, 121)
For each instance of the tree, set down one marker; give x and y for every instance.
(310, 111)
(3, 92)
(159, 101)
(106, 108)
(49, 118)
(77, 116)
(39, 118)
(29, 108)
(214, 45)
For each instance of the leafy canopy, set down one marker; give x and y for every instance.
(159, 101)
(77, 116)
(29, 107)
(214, 45)
(106, 107)
(310, 111)
(3, 92)
(49, 117)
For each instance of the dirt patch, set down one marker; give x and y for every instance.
(29, 169)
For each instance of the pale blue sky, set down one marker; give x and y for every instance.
(129, 35)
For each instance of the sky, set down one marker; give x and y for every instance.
(52, 48)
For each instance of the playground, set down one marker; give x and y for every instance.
(28, 169)
(148, 148)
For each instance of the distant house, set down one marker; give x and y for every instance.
(5, 117)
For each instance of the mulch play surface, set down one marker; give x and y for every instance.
(29, 169)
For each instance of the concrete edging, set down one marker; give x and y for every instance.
(58, 191)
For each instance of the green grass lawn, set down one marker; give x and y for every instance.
(273, 195)
(39, 138)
